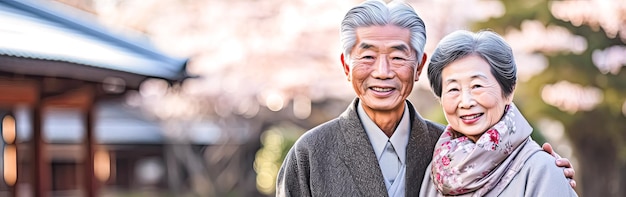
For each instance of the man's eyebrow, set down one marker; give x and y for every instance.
(400, 47)
(365, 46)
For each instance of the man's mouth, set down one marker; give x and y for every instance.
(379, 89)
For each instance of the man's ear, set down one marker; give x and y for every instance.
(420, 67)
(346, 67)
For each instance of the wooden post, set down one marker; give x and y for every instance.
(41, 177)
(27, 91)
(91, 182)
(82, 98)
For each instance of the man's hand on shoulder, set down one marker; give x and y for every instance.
(562, 162)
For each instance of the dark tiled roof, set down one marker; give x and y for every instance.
(45, 30)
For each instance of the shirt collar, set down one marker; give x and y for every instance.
(399, 139)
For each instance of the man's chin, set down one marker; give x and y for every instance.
(383, 105)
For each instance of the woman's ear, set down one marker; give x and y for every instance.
(420, 67)
(509, 100)
(346, 67)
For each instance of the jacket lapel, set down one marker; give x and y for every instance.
(359, 155)
(419, 152)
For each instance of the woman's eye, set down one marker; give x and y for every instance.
(453, 90)
(477, 86)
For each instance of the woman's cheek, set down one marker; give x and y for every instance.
(448, 105)
(487, 99)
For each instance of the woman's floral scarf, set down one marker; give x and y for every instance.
(462, 167)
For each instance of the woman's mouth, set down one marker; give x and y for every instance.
(471, 118)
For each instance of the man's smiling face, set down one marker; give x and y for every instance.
(382, 67)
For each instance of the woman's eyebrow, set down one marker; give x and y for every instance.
(479, 76)
(449, 81)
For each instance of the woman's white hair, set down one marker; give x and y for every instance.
(486, 44)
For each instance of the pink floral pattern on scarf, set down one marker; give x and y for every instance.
(460, 166)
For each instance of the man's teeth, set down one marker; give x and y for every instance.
(382, 89)
(469, 117)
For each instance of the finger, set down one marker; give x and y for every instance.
(572, 183)
(548, 148)
(569, 173)
(564, 163)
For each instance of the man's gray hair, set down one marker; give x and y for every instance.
(486, 44)
(377, 13)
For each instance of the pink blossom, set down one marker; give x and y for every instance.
(462, 138)
(494, 135)
(445, 161)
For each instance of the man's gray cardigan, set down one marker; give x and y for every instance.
(337, 159)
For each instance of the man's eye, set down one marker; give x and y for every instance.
(367, 57)
(398, 58)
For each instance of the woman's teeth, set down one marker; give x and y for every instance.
(470, 117)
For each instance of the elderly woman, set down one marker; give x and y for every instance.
(486, 149)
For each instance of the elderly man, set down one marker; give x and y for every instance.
(380, 146)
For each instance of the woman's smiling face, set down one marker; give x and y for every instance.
(471, 97)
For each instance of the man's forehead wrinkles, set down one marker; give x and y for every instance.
(393, 46)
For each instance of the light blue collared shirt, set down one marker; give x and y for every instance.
(399, 139)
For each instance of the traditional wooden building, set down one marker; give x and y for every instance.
(58, 65)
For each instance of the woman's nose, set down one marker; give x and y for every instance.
(467, 100)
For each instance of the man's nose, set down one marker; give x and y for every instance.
(383, 68)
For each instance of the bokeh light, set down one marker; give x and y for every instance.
(8, 129)
(570, 97)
